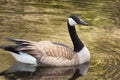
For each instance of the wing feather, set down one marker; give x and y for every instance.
(43, 48)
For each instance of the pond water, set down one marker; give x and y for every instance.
(23, 71)
(46, 20)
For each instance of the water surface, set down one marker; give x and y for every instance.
(29, 72)
(46, 20)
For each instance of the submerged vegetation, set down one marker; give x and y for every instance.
(46, 20)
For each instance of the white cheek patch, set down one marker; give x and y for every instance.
(71, 22)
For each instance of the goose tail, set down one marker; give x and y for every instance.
(17, 41)
(19, 55)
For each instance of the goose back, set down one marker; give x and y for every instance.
(46, 52)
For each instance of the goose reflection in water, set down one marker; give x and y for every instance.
(29, 72)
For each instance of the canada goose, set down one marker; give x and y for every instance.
(47, 53)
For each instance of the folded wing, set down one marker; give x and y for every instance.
(39, 49)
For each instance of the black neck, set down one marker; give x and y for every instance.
(78, 45)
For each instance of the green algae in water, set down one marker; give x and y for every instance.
(46, 20)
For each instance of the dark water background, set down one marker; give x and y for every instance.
(46, 20)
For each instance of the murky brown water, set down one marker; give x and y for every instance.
(29, 72)
(46, 20)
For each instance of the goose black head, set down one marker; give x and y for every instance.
(73, 20)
